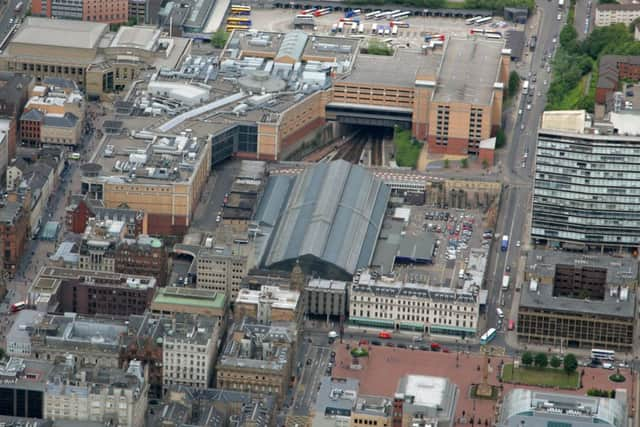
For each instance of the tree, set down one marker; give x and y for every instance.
(570, 363)
(555, 362)
(485, 164)
(376, 47)
(219, 38)
(541, 360)
(446, 163)
(569, 37)
(501, 138)
(527, 358)
(464, 163)
(514, 82)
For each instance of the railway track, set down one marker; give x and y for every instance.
(376, 151)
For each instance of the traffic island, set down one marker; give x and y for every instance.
(617, 378)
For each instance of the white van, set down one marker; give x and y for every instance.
(500, 313)
(461, 274)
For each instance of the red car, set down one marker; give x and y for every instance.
(435, 346)
(384, 335)
(363, 342)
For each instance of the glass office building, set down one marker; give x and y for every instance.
(587, 190)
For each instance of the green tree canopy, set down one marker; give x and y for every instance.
(514, 82)
(570, 363)
(541, 360)
(219, 38)
(527, 358)
(555, 362)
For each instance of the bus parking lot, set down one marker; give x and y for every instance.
(281, 20)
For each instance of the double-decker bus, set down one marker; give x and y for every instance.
(237, 9)
(599, 354)
(400, 15)
(484, 20)
(232, 20)
(488, 336)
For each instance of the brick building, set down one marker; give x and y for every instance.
(105, 248)
(81, 208)
(112, 11)
(59, 290)
(614, 68)
(14, 229)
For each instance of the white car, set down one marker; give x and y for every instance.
(545, 82)
(528, 106)
(518, 244)
(607, 365)
(554, 40)
(520, 111)
(218, 218)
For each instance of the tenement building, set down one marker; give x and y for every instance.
(586, 186)
(189, 351)
(413, 307)
(257, 358)
(574, 300)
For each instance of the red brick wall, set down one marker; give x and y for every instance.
(78, 218)
(112, 11)
(457, 146)
(36, 7)
(161, 224)
(419, 131)
(301, 133)
(13, 138)
(486, 154)
(601, 95)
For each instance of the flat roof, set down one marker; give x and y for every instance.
(620, 271)
(469, 71)
(60, 33)
(203, 298)
(281, 298)
(160, 160)
(386, 70)
(567, 120)
(541, 297)
(428, 391)
(138, 37)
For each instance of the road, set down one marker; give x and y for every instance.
(517, 171)
(584, 18)
(8, 11)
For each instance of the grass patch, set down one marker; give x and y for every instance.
(572, 98)
(547, 377)
(407, 149)
(617, 378)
